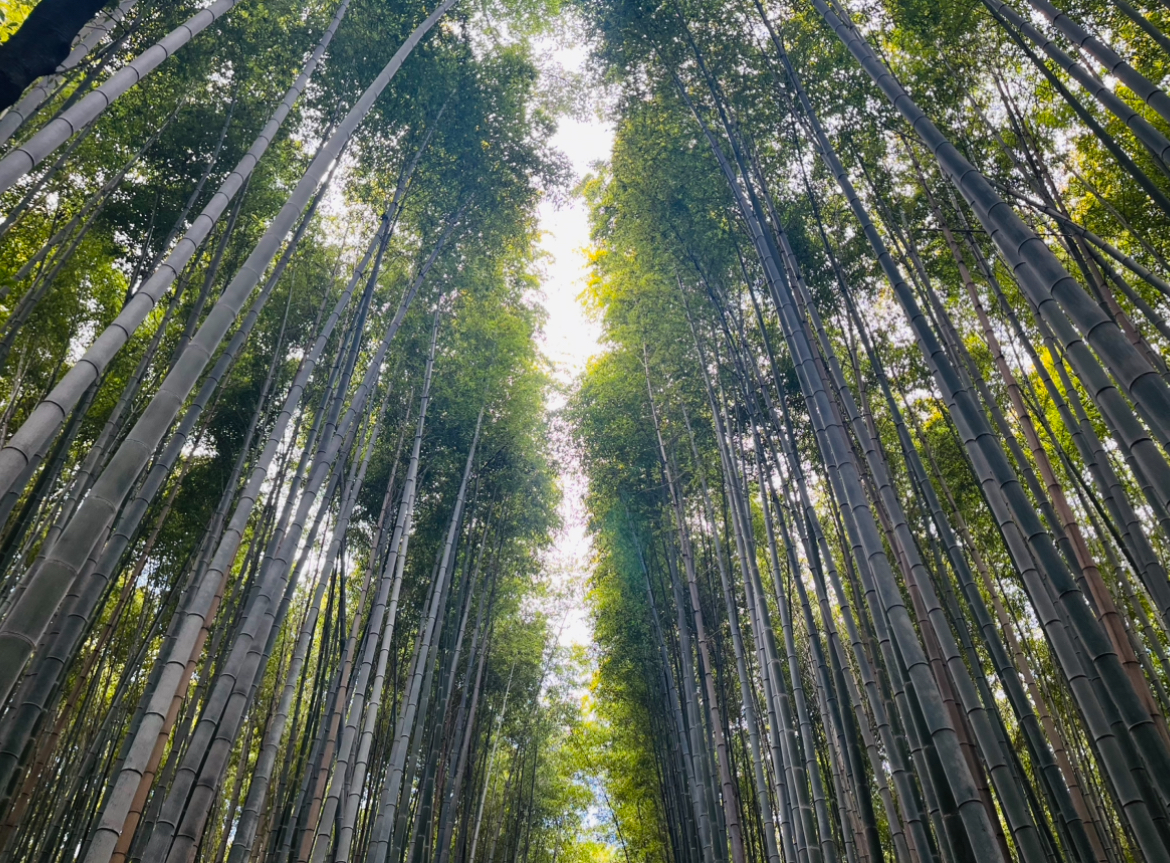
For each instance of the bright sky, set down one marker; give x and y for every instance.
(570, 337)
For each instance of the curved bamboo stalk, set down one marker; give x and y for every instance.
(989, 456)
(384, 825)
(47, 417)
(168, 690)
(24, 624)
(383, 617)
(61, 128)
(245, 829)
(1152, 95)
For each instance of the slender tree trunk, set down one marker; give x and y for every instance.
(384, 825)
(28, 618)
(43, 423)
(55, 133)
(729, 794)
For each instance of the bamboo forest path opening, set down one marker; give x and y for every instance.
(550, 431)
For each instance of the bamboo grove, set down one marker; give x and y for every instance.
(278, 480)
(877, 444)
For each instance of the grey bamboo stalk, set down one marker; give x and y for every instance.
(382, 535)
(34, 190)
(142, 266)
(796, 824)
(233, 800)
(795, 762)
(185, 808)
(811, 771)
(44, 678)
(1106, 610)
(168, 691)
(383, 617)
(1117, 255)
(434, 795)
(821, 552)
(45, 740)
(210, 275)
(232, 695)
(131, 517)
(319, 759)
(271, 530)
(846, 685)
(28, 618)
(846, 477)
(1106, 56)
(154, 478)
(1138, 301)
(1069, 778)
(1015, 807)
(61, 128)
(245, 830)
(113, 423)
(775, 277)
(988, 455)
(937, 792)
(44, 421)
(812, 768)
(23, 528)
(747, 694)
(311, 835)
(1097, 716)
(1075, 815)
(380, 838)
(747, 563)
(92, 205)
(1091, 716)
(87, 217)
(1088, 444)
(14, 393)
(836, 687)
(940, 648)
(1145, 132)
(692, 788)
(795, 831)
(1076, 320)
(700, 763)
(1095, 710)
(1155, 193)
(491, 762)
(96, 456)
(729, 795)
(421, 758)
(826, 697)
(36, 96)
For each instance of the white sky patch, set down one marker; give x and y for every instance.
(570, 337)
